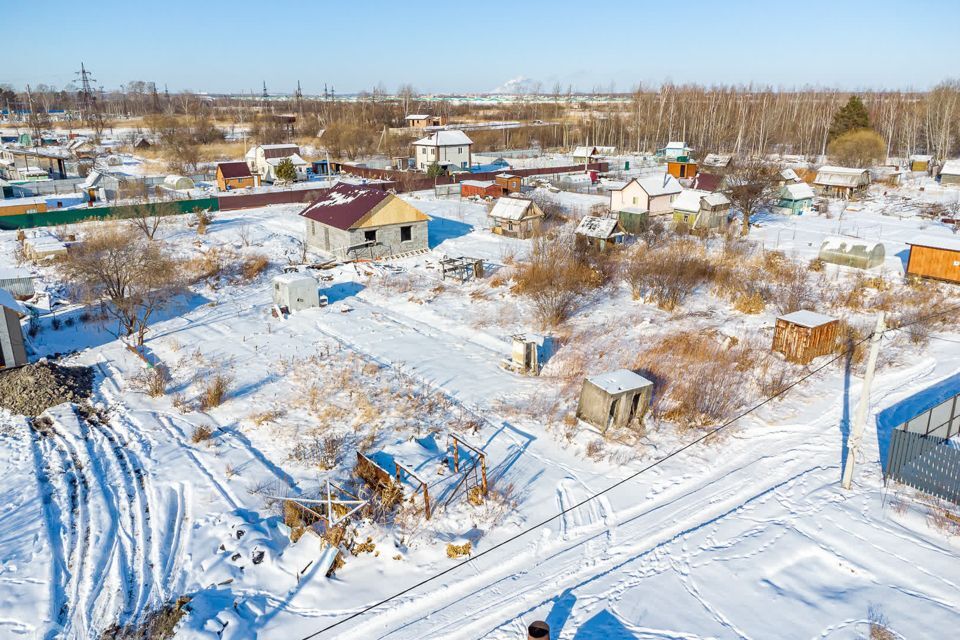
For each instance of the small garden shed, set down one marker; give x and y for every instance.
(12, 351)
(804, 335)
(597, 232)
(934, 257)
(852, 252)
(295, 291)
(614, 399)
(480, 188)
(515, 217)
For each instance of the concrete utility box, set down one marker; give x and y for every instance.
(528, 354)
(295, 291)
(802, 336)
(614, 399)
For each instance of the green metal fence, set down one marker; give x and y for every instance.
(69, 216)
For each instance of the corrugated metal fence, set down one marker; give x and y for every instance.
(922, 454)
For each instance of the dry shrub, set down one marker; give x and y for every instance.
(459, 550)
(816, 265)
(214, 390)
(750, 303)
(879, 625)
(367, 546)
(595, 449)
(157, 624)
(260, 418)
(695, 376)
(155, 380)
(475, 496)
(201, 434)
(203, 218)
(210, 264)
(666, 274)
(253, 265)
(555, 280)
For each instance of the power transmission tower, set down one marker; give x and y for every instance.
(86, 91)
(299, 97)
(860, 419)
(264, 89)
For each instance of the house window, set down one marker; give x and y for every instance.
(459, 149)
(636, 200)
(370, 236)
(313, 228)
(406, 233)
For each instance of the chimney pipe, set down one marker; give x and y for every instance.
(538, 630)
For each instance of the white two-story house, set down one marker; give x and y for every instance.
(449, 149)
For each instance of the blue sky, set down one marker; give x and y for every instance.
(446, 47)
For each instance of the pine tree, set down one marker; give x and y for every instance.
(286, 171)
(850, 117)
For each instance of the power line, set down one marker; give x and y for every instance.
(632, 476)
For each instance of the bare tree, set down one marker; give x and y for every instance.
(131, 276)
(752, 185)
(149, 218)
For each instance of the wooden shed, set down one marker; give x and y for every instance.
(508, 182)
(614, 399)
(682, 168)
(802, 336)
(934, 257)
(480, 188)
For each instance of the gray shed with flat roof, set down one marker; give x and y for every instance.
(614, 399)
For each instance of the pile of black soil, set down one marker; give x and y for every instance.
(34, 388)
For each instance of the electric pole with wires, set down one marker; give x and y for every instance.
(860, 419)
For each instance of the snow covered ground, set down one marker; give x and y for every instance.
(748, 536)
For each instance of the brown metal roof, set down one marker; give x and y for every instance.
(234, 170)
(278, 151)
(343, 205)
(707, 182)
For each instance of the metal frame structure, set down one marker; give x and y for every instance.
(402, 469)
(462, 268)
(480, 460)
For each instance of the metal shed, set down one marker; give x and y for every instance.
(295, 291)
(802, 336)
(17, 281)
(852, 252)
(12, 350)
(614, 399)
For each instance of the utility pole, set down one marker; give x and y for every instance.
(860, 419)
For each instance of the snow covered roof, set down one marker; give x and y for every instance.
(716, 199)
(951, 167)
(343, 205)
(798, 191)
(676, 145)
(513, 209)
(7, 300)
(789, 174)
(293, 157)
(417, 116)
(483, 184)
(14, 273)
(688, 200)
(659, 185)
(806, 318)
(936, 242)
(842, 177)
(921, 157)
(585, 152)
(294, 277)
(717, 160)
(450, 138)
(596, 227)
(619, 381)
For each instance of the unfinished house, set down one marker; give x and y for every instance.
(295, 291)
(802, 336)
(598, 233)
(355, 221)
(12, 350)
(852, 252)
(841, 182)
(516, 218)
(614, 399)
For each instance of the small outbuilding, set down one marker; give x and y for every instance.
(950, 172)
(852, 252)
(920, 162)
(295, 291)
(682, 168)
(717, 161)
(796, 198)
(614, 399)
(12, 350)
(841, 182)
(508, 182)
(480, 188)
(530, 351)
(516, 218)
(235, 175)
(701, 210)
(598, 233)
(804, 335)
(934, 257)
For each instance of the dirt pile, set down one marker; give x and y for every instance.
(32, 389)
